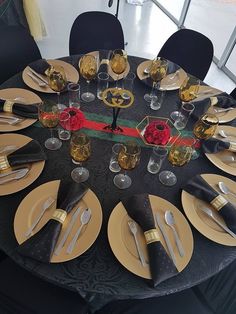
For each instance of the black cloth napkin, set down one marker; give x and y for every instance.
(40, 66)
(202, 190)
(27, 111)
(29, 153)
(41, 245)
(139, 209)
(223, 101)
(213, 145)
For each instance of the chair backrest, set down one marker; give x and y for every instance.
(18, 49)
(95, 30)
(191, 50)
(233, 93)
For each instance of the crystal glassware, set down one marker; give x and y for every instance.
(188, 91)
(128, 159)
(57, 82)
(118, 62)
(80, 150)
(183, 116)
(49, 117)
(206, 126)
(88, 69)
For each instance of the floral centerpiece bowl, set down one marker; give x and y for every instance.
(157, 131)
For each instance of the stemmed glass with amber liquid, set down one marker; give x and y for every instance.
(157, 72)
(49, 117)
(206, 126)
(188, 91)
(118, 63)
(80, 151)
(128, 159)
(57, 81)
(88, 69)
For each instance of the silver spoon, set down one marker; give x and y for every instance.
(219, 110)
(134, 230)
(169, 218)
(84, 218)
(223, 134)
(224, 189)
(20, 174)
(228, 159)
(147, 70)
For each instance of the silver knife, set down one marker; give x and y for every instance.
(67, 232)
(165, 236)
(45, 206)
(39, 76)
(8, 148)
(20, 174)
(5, 174)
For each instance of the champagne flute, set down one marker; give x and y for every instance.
(49, 117)
(80, 150)
(57, 82)
(128, 159)
(88, 69)
(118, 62)
(188, 91)
(157, 72)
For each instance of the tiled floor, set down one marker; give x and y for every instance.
(145, 27)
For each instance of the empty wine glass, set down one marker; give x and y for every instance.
(118, 62)
(57, 82)
(80, 150)
(128, 159)
(157, 72)
(49, 117)
(187, 92)
(88, 69)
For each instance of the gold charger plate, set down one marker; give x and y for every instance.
(29, 209)
(167, 83)
(25, 96)
(35, 168)
(122, 242)
(110, 72)
(222, 116)
(219, 159)
(200, 220)
(72, 75)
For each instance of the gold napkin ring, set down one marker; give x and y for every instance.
(4, 164)
(59, 215)
(219, 202)
(7, 107)
(105, 61)
(151, 235)
(232, 147)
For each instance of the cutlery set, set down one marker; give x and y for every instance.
(13, 175)
(4, 119)
(37, 78)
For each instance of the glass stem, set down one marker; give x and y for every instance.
(51, 134)
(88, 82)
(58, 98)
(152, 94)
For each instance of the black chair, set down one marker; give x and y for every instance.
(95, 30)
(23, 293)
(18, 49)
(189, 49)
(233, 93)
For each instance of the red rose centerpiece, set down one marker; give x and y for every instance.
(157, 132)
(76, 120)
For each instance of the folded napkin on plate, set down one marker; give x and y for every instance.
(29, 153)
(213, 145)
(41, 245)
(41, 66)
(222, 100)
(27, 111)
(139, 208)
(202, 190)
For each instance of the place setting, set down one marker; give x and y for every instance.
(57, 221)
(21, 162)
(37, 75)
(150, 237)
(209, 202)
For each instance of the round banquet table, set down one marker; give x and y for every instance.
(97, 275)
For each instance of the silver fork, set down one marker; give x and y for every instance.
(133, 229)
(36, 80)
(12, 121)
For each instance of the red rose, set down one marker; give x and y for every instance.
(76, 120)
(157, 132)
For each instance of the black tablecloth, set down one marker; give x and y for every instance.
(97, 275)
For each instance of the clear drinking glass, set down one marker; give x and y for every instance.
(64, 132)
(156, 159)
(80, 150)
(103, 82)
(74, 95)
(88, 69)
(128, 83)
(184, 114)
(206, 126)
(114, 164)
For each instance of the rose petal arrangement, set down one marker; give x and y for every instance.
(157, 132)
(76, 120)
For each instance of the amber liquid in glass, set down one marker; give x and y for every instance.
(206, 126)
(88, 67)
(129, 157)
(158, 70)
(49, 119)
(189, 93)
(80, 149)
(118, 63)
(180, 155)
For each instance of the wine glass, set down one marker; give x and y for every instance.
(206, 126)
(118, 62)
(88, 69)
(57, 81)
(128, 159)
(80, 150)
(157, 72)
(49, 117)
(188, 91)
(179, 155)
